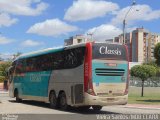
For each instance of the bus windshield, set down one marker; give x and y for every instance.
(109, 51)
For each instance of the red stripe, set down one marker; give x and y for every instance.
(88, 67)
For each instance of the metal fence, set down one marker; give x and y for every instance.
(151, 82)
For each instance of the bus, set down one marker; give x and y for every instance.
(84, 75)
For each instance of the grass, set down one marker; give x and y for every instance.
(151, 96)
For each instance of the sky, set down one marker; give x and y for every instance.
(30, 25)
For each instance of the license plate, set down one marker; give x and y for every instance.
(110, 99)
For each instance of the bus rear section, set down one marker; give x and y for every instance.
(107, 82)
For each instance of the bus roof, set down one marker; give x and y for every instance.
(52, 50)
(48, 50)
(40, 52)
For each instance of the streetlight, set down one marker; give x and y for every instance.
(124, 20)
(90, 34)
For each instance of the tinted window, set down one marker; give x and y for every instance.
(31, 64)
(57, 60)
(109, 51)
(74, 57)
(20, 66)
(67, 59)
(39, 63)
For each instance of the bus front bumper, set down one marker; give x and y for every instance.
(104, 101)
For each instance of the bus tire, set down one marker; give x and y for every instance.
(53, 100)
(97, 107)
(84, 108)
(63, 101)
(17, 96)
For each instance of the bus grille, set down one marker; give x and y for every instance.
(109, 72)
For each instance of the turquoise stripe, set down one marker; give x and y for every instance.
(108, 79)
(33, 83)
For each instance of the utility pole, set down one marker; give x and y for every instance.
(124, 21)
(90, 34)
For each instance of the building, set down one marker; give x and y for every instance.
(153, 39)
(109, 40)
(140, 43)
(128, 41)
(75, 40)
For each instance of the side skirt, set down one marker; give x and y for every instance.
(36, 98)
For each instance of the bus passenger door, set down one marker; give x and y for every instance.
(19, 76)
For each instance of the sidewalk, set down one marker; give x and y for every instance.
(143, 106)
(3, 92)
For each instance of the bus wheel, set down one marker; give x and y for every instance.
(53, 100)
(63, 101)
(17, 96)
(97, 107)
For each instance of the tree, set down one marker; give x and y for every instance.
(16, 55)
(155, 79)
(157, 53)
(143, 72)
(3, 73)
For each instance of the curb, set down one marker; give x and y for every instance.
(140, 106)
(4, 92)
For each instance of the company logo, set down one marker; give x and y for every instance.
(105, 50)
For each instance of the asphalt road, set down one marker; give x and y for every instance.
(28, 110)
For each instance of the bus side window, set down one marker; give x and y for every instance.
(20, 66)
(58, 60)
(74, 57)
(45, 62)
(28, 65)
